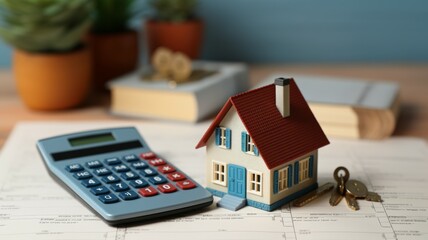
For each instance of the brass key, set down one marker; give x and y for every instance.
(356, 188)
(339, 191)
(302, 201)
(373, 197)
(351, 201)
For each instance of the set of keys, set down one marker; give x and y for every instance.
(351, 190)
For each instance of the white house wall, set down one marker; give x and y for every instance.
(295, 188)
(237, 157)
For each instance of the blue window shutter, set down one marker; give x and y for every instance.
(217, 136)
(290, 176)
(311, 166)
(244, 141)
(256, 151)
(275, 181)
(228, 138)
(296, 172)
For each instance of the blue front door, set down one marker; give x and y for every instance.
(237, 179)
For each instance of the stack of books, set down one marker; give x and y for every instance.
(192, 101)
(352, 108)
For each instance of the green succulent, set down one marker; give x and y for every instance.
(114, 15)
(44, 25)
(173, 10)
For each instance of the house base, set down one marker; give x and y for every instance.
(275, 205)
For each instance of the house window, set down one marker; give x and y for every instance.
(248, 145)
(303, 170)
(283, 179)
(219, 173)
(255, 183)
(223, 137)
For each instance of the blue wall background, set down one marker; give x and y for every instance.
(311, 31)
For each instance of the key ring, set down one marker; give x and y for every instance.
(337, 176)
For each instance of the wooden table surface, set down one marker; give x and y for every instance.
(413, 80)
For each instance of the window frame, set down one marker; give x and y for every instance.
(250, 146)
(219, 173)
(223, 137)
(285, 178)
(255, 182)
(304, 169)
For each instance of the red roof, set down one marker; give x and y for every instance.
(278, 139)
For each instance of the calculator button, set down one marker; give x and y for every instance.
(74, 168)
(99, 190)
(176, 176)
(186, 184)
(157, 180)
(109, 198)
(148, 172)
(148, 191)
(128, 195)
(121, 168)
(139, 165)
(148, 155)
(110, 179)
(167, 188)
(157, 162)
(91, 182)
(102, 171)
(112, 161)
(129, 175)
(94, 164)
(119, 187)
(82, 175)
(138, 183)
(130, 158)
(166, 169)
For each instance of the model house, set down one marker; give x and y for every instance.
(262, 148)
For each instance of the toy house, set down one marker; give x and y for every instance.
(262, 148)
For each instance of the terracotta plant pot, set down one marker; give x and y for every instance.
(113, 55)
(53, 81)
(185, 37)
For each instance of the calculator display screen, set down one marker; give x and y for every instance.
(99, 138)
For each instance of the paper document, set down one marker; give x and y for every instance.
(34, 206)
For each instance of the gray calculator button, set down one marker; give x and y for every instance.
(110, 179)
(157, 180)
(102, 171)
(119, 187)
(92, 182)
(112, 161)
(82, 175)
(121, 168)
(74, 168)
(99, 190)
(94, 164)
(108, 198)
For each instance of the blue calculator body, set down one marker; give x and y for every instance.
(115, 174)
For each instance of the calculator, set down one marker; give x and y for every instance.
(115, 174)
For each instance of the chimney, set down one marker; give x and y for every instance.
(282, 96)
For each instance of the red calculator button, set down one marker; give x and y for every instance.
(148, 155)
(167, 188)
(157, 162)
(186, 184)
(166, 169)
(148, 191)
(176, 176)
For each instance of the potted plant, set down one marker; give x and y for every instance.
(114, 43)
(51, 64)
(175, 27)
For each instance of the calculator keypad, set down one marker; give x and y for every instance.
(129, 184)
